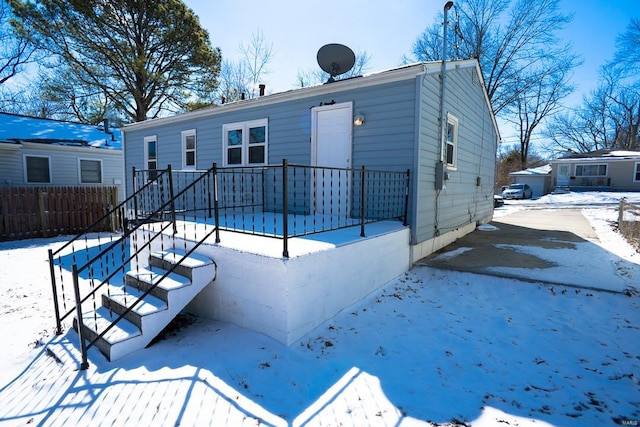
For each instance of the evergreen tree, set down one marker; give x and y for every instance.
(146, 58)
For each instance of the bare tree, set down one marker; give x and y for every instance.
(234, 81)
(525, 67)
(609, 116)
(627, 57)
(256, 57)
(507, 37)
(241, 78)
(539, 98)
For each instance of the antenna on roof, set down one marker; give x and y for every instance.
(335, 59)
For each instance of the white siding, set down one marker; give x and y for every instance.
(64, 165)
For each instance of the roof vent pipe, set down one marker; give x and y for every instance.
(262, 88)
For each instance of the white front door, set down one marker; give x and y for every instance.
(331, 148)
(564, 174)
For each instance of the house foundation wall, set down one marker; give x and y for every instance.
(287, 298)
(426, 248)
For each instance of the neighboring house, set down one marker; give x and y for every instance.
(539, 179)
(608, 170)
(386, 121)
(44, 152)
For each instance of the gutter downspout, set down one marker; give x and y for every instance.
(443, 74)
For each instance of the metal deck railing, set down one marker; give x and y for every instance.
(280, 202)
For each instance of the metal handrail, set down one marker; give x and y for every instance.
(76, 271)
(386, 189)
(118, 209)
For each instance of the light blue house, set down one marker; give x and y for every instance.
(296, 204)
(387, 121)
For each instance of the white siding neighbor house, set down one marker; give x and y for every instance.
(43, 152)
(387, 121)
(605, 170)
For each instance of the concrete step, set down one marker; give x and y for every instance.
(167, 259)
(119, 299)
(166, 298)
(145, 279)
(96, 321)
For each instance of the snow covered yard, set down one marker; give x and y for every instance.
(433, 346)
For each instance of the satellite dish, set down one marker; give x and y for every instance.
(335, 59)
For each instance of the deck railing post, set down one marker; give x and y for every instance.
(135, 198)
(216, 211)
(83, 346)
(362, 202)
(285, 211)
(406, 198)
(209, 191)
(172, 201)
(56, 307)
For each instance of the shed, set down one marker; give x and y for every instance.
(539, 179)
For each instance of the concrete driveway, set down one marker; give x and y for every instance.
(548, 246)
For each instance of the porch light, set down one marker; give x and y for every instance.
(358, 120)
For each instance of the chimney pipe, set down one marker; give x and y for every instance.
(262, 88)
(242, 96)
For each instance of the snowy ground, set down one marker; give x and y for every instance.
(432, 347)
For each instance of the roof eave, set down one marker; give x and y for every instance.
(386, 76)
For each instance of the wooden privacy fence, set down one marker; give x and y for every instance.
(30, 212)
(629, 222)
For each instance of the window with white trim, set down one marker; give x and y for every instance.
(151, 155)
(189, 149)
(37, 169)
(636, 174)
(452, 141)
(90, 171)
(591, 170)
(245, 143)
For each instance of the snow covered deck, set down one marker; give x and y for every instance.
(285, 298)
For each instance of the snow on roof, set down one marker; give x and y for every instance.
(540, 170)
(600, 154)
(16, 128)
(621, 153)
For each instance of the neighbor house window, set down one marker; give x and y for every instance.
(37, 169)
(591, 170)
(189, 149)
(90, 171)
(245, 143)
(452, 141)
(636, 173)
(151, 155)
